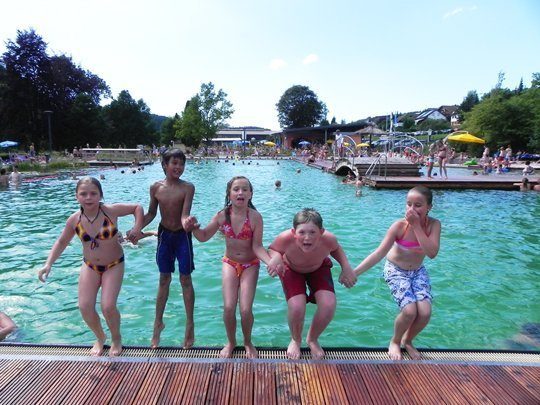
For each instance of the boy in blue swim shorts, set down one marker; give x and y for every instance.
(174, 198)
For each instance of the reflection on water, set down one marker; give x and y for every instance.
(485, 278)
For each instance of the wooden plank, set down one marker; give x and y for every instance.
(353, 383)
(528, 377)
(153, 383)
(506, 381)
(11, 370)
(197, 386)
(287, 390)
(439, 382)
(175, 385)
(461, 379)
(130, 385)
(332, 388)
(403, 391)
(108, 383)
(423, 389)
(63, 382)
(22, 382)
(265, 387)
(219, 386)
(86, 384)
(48, 374)
(489, 386)
(308, 382)
(242, 384)
(378, 388)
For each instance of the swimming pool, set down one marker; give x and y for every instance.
(485, 279)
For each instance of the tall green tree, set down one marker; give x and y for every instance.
(84, 123)
(214, 109)
(128, 122)
(299, 107)
(470, 100)
(191, 128)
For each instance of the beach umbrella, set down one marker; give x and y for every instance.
(269, 143)
(370, 130)
(463, 136)
(8, 144)
(362, 145)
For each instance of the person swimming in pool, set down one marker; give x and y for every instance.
(406, 243)
(242, 226)
(103, 263)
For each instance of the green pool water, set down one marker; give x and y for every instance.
(485, 279)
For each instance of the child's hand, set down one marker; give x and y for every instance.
(347, 278)
(43, 273)
(275, 267)
(190, 223)
(412, 217)
(133, 235)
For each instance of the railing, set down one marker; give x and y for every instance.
(377, 163)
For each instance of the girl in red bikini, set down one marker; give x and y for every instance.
(407, 242)
(103, 261)
(242, 226)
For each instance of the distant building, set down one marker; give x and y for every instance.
(238, 134)
(444, 112)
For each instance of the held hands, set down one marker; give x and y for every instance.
(133, 235)
(190, 223)
(347, 278)
(276, 267)
(43, 273)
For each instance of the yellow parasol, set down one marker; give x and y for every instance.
(362, 145)
(464, 136)
(269, 143)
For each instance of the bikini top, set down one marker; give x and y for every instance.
(245, 233)
(108, 230)
(408, 244)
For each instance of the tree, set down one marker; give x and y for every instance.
(470, 100)
(84, 123)
(214, 109)
(299, 107)
(168, 130)
(33, 82)
(128, 121)
(191, 128)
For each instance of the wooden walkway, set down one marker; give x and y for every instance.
(480, 182)
(125, 380)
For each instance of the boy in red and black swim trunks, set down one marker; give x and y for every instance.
(304, 252)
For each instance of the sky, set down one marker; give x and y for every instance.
(361, 58)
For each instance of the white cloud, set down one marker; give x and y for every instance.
(453, 13)
(457, 11)
(311, 58)
(276, 64)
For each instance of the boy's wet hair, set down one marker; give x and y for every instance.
(308, 215)
(91, 180)
(172, 153)
(426, 192)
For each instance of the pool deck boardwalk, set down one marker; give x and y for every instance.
(144, 376)
(506, 181)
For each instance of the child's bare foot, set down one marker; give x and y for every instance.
(317, 351)
(251, 352)
(97, 349)
(293, 351)
(413, 353)
(158, 328)
(189, 336)
(394, 351)
(116, 348)
(226, 352)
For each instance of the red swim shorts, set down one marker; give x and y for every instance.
(294, 283)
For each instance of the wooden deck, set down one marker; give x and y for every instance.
(132, 380)
(480, 182)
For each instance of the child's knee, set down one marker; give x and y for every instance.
(409, 311)
(109, 309)
(164, 279)
(185, 281)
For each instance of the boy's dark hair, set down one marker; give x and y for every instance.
(308, 215)
(2, 171)
(172, 153)
(426, 192)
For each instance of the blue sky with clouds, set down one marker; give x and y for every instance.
(362, 58)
